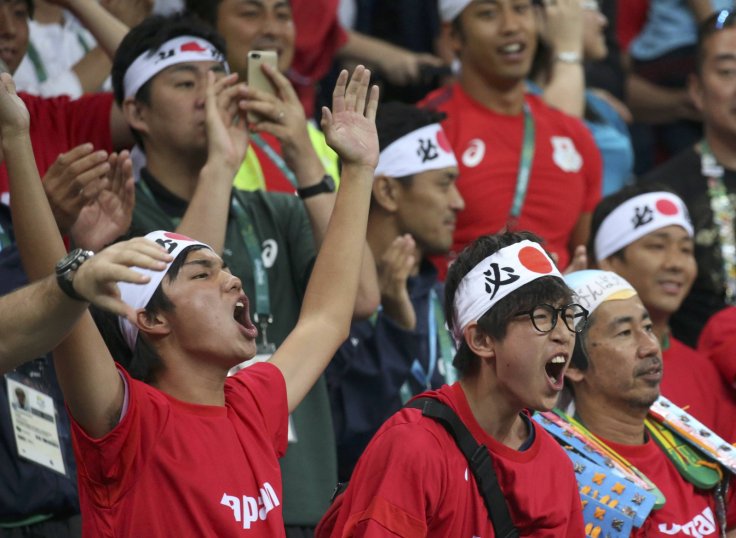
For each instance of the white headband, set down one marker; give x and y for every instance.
(138, 295)
(593, 288)
(449, 9)
(175, 51)
(419, 151)
(638, 217)
(497, 276)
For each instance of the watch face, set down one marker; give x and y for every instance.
(68, 261)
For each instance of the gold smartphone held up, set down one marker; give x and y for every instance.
(257, 78)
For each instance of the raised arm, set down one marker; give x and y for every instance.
(324, 321)
(87, 374)
(283, 117)
(34, 319)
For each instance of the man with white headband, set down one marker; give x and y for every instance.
(514, 323)
(646, 236)
(195, 453)
(615, 377)
(268, 239)
(524, 165)
(405, 348)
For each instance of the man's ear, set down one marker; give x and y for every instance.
(695, 90)
(135, 114)
(152, 324)
(479, 342)
(575, 375)
(386, 193)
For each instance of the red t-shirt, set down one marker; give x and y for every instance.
(687, 510)
(692, 382)
(413, 480)
(718, 341)
(318, 38)
(172, 468)
(564, 182)
(58, 124)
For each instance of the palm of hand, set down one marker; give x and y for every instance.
(102, 221)
(354, 138)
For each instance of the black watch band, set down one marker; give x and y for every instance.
(326, 184)
(67, 267)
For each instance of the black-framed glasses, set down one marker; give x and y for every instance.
(544, 317)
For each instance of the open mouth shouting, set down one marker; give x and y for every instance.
(242, 318)
(555, 370)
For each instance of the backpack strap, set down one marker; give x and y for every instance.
(479, 460)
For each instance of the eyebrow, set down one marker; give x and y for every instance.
(209, 264)
(622, 320)
(188, 67)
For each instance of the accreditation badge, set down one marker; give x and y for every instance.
(33, 416)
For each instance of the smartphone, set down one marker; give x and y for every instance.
(256, 77)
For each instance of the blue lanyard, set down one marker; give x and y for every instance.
(4, 238)
(435, 317)
(275, 158)
(525, 168)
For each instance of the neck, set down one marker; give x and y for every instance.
(381, 232)
(723, 147)
(497, 416)
(618, 423)
(193, 382)
(45, 13)
(504, 97)
(178, 175)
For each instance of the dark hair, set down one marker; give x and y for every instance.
(608, 204)
(495, 322)
(143, 362)
(716, 22)
(148, 36)
(204, 9)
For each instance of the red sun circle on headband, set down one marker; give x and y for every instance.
(180, 237)
(534, 260)
(442, 141)
(666, 207)
(192, 46)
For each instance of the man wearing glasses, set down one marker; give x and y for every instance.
(503, 301)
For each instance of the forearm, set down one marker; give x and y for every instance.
(650, 103)
(206, 217)
(108, 30)
(363, 48)
(33, 320)
(566, 88)
(91, 384)
(92, 70)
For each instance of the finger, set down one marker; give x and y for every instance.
(283, 87)
(256, 95)
(91, 192)
(327, 120)
(275, 129)
(74, 154)
(338, 94)
(351, 92)
(362, 93)
(79, 171)
(372, 106)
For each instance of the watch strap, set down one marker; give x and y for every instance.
(326, 184)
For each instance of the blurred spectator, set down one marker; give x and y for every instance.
(562, 84)
(516, 153)
(660, 59)
(63, 57)
(405, 347)
(704, 176)
(718, 341)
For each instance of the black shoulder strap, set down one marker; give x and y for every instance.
(479, 460)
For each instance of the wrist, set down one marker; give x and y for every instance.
(66, 270)
(569, 57)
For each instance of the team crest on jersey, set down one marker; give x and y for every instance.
(565, 154)
(474, 153)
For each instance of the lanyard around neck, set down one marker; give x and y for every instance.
(525, 167)
(5, 241)
(275, 158)
(724, 218)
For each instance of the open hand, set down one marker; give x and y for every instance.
(74, 180)
(109, 215)
(96, 280)
(350, 127)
